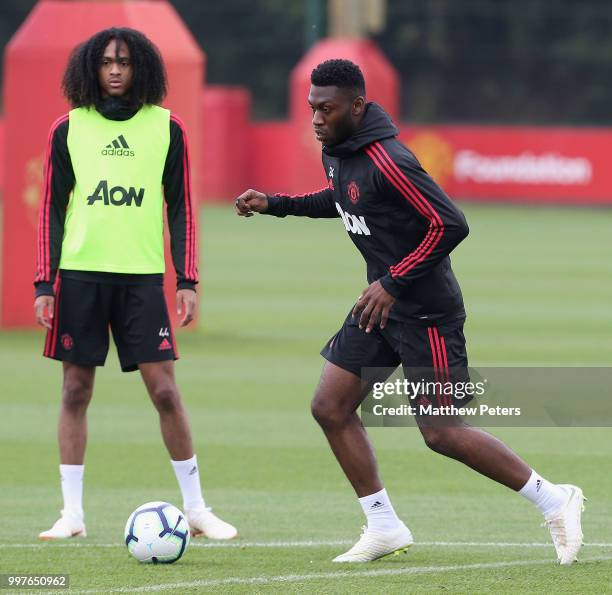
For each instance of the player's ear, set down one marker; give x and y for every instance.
(358, 105)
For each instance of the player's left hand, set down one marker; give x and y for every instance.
(186, 301)
(374, 304)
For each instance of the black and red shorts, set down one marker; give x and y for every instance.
(436, 352)
(85, 311)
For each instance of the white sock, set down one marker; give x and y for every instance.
(379, 511)
(72, 489)
(188, 476)
(547, 496)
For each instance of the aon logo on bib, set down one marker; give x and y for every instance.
(354, 224)
(117, 195)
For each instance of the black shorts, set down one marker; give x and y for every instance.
(437, 350)
(84, 312)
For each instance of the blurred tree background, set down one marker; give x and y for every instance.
(506, 61)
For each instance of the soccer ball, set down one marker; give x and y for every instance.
(157, 533)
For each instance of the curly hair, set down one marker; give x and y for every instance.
(80, 83)
(339, 73)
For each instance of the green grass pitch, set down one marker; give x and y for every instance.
(538, 289)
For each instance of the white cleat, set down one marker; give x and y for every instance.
(373, 545)
(68, 525)
(204, 522)
(565, 527)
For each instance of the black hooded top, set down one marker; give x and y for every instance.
(401, 221)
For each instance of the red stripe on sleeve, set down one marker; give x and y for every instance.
(436, 227)
(427, 245)
(394, 179)
(280, 195)
(435, 222)
(432, 233)
(190, 260)
(43, 266)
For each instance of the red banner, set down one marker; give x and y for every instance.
(562, 165)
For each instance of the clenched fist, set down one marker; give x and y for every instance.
(251, 202)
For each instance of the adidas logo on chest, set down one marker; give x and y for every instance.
(118, 147)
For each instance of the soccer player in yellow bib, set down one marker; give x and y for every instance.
(111, 163)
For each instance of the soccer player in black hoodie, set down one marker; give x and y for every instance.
(411, 313)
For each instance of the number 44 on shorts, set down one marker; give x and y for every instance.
(163, 332)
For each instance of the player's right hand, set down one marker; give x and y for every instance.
(43, 306)
(251, 202)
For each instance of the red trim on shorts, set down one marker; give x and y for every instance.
(51, 346)
(174, 347)
(444, 360)
(440, 361)
(434, 354)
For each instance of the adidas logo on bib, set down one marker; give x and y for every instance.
(118, 148)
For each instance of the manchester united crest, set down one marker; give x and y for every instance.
(353, 192)
(67, 342)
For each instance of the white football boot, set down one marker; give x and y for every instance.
(373, 545)
(68, 525)
(565, 527)
(204, 522)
